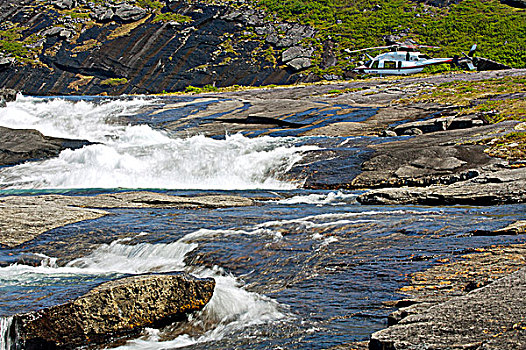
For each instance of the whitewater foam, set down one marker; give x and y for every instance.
(138, 156)
(331, 198)
(96, 121)
(231, 308)
(6, 341)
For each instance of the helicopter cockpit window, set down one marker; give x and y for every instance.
(375, 64)
(390, 64)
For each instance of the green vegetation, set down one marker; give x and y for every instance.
(151, 5)
(114, 81)
(227, 46)
(501, 110)
(511, 146)
(14, 48)
(9, 42)
(15, 45)
(336, 92)
(171, 17)
(499, 30)
(198, 90)
(270, 56)
(440, 68)
(463, 93)
(482, 98)
(75, 13)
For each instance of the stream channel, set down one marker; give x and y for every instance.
(300, 269)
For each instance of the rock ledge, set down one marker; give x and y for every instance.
(492, 317)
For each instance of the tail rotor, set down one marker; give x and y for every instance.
(467, 61)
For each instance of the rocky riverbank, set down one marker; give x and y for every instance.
(474, 303)
(445, 155)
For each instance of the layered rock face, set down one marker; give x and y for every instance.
(113, 309)
(120, 48)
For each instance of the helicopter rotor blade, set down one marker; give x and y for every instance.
(428, 46)
(371, 48)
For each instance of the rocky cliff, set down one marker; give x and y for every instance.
(53, 47)
(81, 47)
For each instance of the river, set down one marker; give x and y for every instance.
(301, 269)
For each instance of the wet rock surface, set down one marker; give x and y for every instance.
(500, 187)
(463, 305)
(304, 104)
(114, 309)
(18, 146)
(516, 228)
(24, 218)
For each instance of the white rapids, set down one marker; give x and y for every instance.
(231, 307)
(5, 340)
(138, 156)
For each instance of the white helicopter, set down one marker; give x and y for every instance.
(405, 59)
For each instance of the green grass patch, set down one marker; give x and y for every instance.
(114, 81)
(511, 146)
(171, 17)
(498, 29)
(198, 90)
(152, 5)
(12, 43)
(462, 93)
(14, 48)
(76, 14)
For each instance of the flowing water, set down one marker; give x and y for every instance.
(301, 269)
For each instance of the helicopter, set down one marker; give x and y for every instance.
(405, 58)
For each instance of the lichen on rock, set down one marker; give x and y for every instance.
(114, 309)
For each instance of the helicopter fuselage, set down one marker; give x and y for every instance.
(399, 63)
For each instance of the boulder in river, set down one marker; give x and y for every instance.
(20, 145)
(113, 309)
